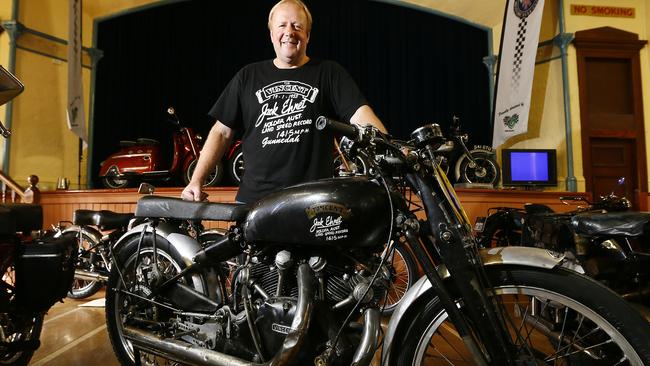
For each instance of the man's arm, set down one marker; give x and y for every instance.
(365, 116)
(215, 146)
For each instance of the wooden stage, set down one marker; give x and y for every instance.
(60, 205)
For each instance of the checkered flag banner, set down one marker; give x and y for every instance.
(519, 40)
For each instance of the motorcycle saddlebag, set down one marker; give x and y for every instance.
(44, 272)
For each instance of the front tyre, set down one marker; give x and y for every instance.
(113, 182)
(555, 317)
(484, 169)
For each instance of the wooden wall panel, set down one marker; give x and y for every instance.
(60, 205)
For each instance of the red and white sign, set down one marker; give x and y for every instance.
(602, 11)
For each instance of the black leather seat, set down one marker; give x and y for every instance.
(612, 223)
(169, 207)
(104, 219)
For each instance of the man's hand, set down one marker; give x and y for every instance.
(193, 192)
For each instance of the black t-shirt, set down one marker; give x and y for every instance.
(276, 109)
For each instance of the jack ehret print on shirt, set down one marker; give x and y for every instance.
(281, 118)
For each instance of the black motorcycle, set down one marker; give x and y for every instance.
(476, 166)
(94, 258)
(36, 268)
(312, 272)
(610, 242)
(37, 272)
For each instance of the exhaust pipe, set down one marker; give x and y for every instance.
(80, 274)
(193, 355)
(369, 338)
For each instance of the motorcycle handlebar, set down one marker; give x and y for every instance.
(344, 129)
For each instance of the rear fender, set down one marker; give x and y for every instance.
(206, 281)
(520, 256)
(90, 232)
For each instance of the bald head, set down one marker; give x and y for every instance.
(297, 3)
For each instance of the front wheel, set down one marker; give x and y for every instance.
(484, 169)
(555, 317)
(113, 182)
(213, 178)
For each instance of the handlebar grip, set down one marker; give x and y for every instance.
(345, 129)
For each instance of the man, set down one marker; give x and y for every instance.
(276, 104)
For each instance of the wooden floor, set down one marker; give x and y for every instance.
(73, 335)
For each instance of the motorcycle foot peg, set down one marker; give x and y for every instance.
(218, 251)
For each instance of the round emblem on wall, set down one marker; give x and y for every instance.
(523, 8)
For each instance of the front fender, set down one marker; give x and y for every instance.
(464, 157)
(521, 256)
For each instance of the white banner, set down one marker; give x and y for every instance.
(75, 108)
(519, 40)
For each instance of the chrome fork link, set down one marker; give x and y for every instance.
(155, 271)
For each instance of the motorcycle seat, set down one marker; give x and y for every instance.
(20, 217)
(612, 223)
(127, 143)
(104, 219)
(176, 208)
(146, 141)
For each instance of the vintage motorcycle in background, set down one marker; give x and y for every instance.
(141, 160)
(94, 258)
(476, 166)
(312, 273)
(36, 268)
(611, 242)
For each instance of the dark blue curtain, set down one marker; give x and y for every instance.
(414, 67)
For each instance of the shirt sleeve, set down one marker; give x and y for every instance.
(227, 109)
(345, 95)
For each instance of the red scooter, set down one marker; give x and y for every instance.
(141, 160)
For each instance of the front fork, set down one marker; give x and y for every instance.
(487, 339)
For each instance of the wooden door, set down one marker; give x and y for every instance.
(611, 159)
(611, 110)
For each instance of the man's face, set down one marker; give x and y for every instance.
(289, 34)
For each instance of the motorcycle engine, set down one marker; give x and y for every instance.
(341, 286)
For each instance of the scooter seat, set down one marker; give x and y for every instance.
(127, 143)
(146, 141)
(104, 219)
(20, 217)
(612, 223)
(176, 208)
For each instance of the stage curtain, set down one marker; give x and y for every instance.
(414, 66)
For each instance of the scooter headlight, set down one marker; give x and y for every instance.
(198, 137)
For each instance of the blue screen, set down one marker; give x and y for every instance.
(529, 166)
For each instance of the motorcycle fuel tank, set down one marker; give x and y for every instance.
(338, 212)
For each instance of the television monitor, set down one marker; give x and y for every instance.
(529, 167)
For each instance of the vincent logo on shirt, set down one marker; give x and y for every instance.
(282, 106)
